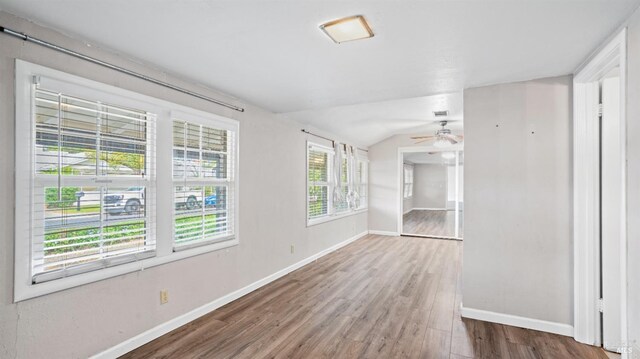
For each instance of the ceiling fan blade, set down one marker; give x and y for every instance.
(456, 138)
(425, 140)
(422, 137)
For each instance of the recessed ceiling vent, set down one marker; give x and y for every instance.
(441, 113)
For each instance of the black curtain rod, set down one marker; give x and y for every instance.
(64, 50)
(328, 139)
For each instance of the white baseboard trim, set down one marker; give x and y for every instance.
(430, 209)
(384, 233)
(516, 321)
(155, 332)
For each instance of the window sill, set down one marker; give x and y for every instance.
(28, 291)
(320, 220)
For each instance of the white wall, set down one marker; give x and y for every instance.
(430, 186)
(85, 320)
(518, 194)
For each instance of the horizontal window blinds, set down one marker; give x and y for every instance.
(318, 182)
(93, 172)
(322, 180)
(203, 168)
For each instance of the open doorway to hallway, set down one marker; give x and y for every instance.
(432, 204)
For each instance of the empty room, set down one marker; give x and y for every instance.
(319, 179)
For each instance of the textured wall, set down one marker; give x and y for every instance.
(518, 196)
(430, 186)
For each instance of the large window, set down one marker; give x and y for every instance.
(92, 180)
(335, 186)
(89, 200)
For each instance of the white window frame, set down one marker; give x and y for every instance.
(407, 181)
(82, 87)
(39, 182)
(330, 153)
(364, 182)
(232, 175)
(331, 212)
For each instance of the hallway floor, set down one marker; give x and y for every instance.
(379, 297)
(437, 223)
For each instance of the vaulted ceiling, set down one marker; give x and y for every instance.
(272, 54)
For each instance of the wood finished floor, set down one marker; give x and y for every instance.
(437, 223)
(379, 297)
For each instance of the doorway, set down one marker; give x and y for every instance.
(599, 199)
(432, 203)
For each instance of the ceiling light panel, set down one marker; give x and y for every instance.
(347, 29)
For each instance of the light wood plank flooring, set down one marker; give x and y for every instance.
(438, 223)
(379, 297)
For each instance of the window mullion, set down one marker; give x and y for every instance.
(59, 147)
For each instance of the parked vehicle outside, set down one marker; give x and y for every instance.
(132, 200)
(210, 201)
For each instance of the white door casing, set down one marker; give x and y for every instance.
(612, 193)
(586, 195)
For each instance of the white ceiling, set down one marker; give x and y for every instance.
(369, 123)
(272, 54)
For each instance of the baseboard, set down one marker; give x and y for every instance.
(155, 332)
(516, 321)
(430, 209)
(384, 233)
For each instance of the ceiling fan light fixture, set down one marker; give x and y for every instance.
(442, 143)
(448, 155)
(347, 29)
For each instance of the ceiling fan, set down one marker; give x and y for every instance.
(443, 137)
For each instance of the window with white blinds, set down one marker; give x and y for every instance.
(93, 168)
(322, 203)
(408, 181)
(203, 162)
(319, 160)
(362, 174)
(109, 181)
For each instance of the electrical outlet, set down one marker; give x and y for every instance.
(293, 249)
(164, 296)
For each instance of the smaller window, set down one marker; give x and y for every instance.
(318, 175)
(203, 160)
(343, 205)
(408, 181)
(362, 175)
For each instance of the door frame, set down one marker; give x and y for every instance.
(586, 192)
(400, 175)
